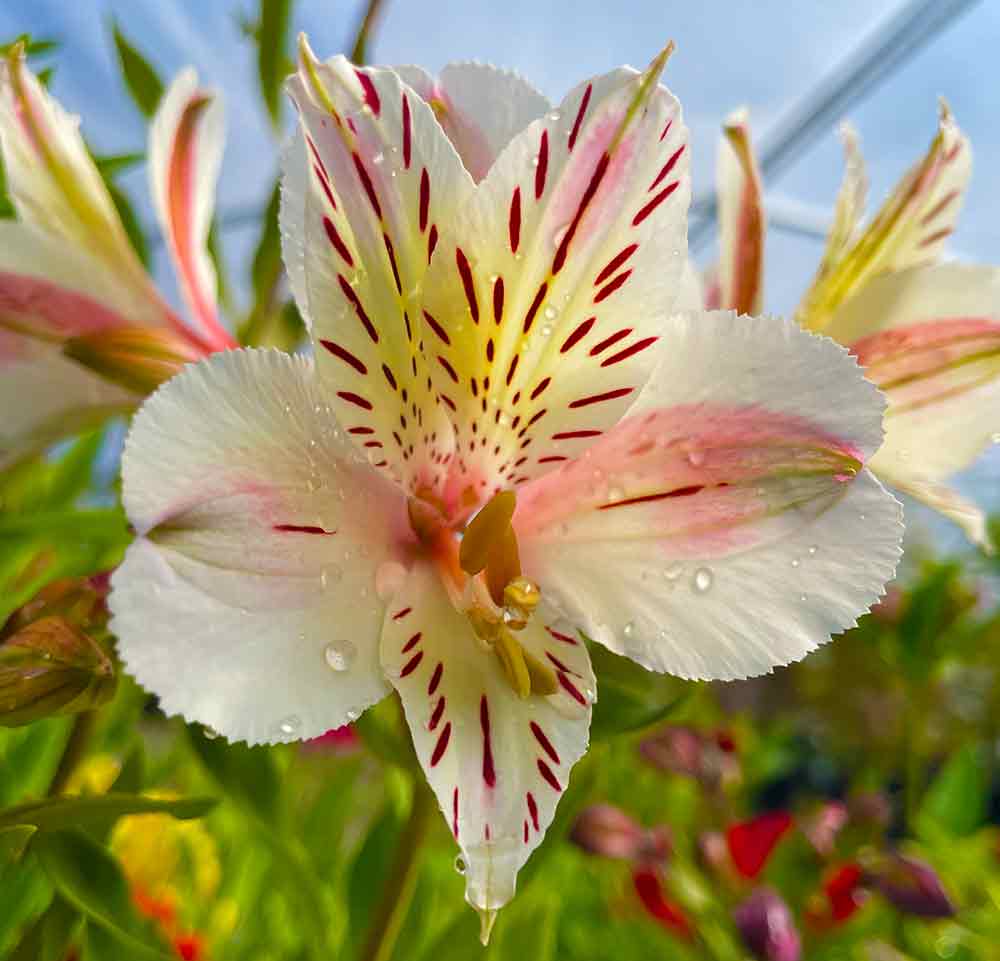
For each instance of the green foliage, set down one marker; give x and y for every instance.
(141, 80)
(99, 812)
(273, 32)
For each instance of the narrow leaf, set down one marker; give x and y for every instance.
(141, 80)
(99, 811)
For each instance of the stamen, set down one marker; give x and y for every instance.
(486, 528)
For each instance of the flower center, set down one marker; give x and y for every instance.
(482, 573)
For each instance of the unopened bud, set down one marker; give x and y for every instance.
(137, 358)
(913, 887)
(767, 928)
(51, 667)
(609, 832)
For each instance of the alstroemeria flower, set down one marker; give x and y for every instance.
(506, 438)
(927, 333)
(74, 297)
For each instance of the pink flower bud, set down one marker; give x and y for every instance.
(609, 832)
(767, 927)
(913, 887)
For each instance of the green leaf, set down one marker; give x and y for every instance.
(273, 64)
(369, 871)
(112, 165)
(223, 287)
(89, 878)
(13, 841)
(384, 733)
(630, 698)
(141, 80)
(957, 799)
(248, 775)
(527, 929)
(99, 811)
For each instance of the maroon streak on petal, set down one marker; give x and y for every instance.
(355, 399)
(411, 665)
(489, 771)
(437, 328)
(540, 388)
(498, 301)
(511, 369)
(552, 459)
(407, 133)
(575, 132)
(345, 355)
(576, 434)
(615, 263)
(412, 642)
(338, 244)
(302, 529)
(638, 346)
(454, 813)
(577, 335)
(588, 195)
(542, 165)
(666, 129)
(399, 615)
(425, 198)
(667, 167)
(544, 741)
(432, 239)
(390, 250)
(571, 689)
(600, 398)
(371, 94)
(448, 368)
(366, 182)
(610, 341)
(436, 714)
(529, 318)
(389, 376)
(364, 430)
(325, 184)
(646, 498)
(435, 680)
(546, 773)
(610, 288)
(532, 809)
(359, 309)
(514, 221)
(654, 203)
(465, 272)
(442, 744)
(565, 638)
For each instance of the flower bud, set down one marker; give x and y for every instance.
(913, 887)
(609, 832)
(824, 826)
(51, 667)
(767, 927)
(710, 757)
(136, 358)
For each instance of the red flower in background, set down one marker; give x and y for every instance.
(751, 842)
(649, 887)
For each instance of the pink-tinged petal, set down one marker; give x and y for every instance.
(910, 229)
(248, 601)
(742, 222)
(930, 338)
(479, 107)
(730, 502)
(498, 764)
(947, 502)
(548, 299)
(55, 186)
(383, 180)
(46, 398)
(185, 150)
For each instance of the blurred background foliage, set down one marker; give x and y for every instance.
(847, 807)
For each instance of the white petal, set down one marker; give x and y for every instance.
(186, 140)
(54, 184)
(498, 764)
(383, 180)
(261, 532)
(549, 295)
(724, 505)
(947, 502)
(479, 107)
(931, 338)
(292, 218)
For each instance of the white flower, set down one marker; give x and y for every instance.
(507, 438)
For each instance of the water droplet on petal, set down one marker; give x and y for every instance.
(339, 655)
(995, 438)
(629, 629)
(460, 864)
(813, 550)
(696, 458)
(289, 726)
(703, 580)
(795, 562)
(673, 571)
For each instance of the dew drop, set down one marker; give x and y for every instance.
(795, 562)
(813, 550)
(673, 571)
(534, 161)
(339, 655)
(995, 438)
(696, 458)
(703, 580)
(460, 864)
(546, 330)
(289, 726)
(628, 630)
(560, 235)
(615, 494)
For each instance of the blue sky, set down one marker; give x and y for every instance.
(762, 54)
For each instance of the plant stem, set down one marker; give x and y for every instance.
(73, 751)
(398, 892)
(359, 52)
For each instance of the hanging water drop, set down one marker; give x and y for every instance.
(628, 630)
(703, 580)
(460, 864)
(339, 655)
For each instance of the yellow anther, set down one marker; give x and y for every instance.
(512, 660)
(486, 625)
(543, 677)
(503, 566)
(521, 597)
(486, 529)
